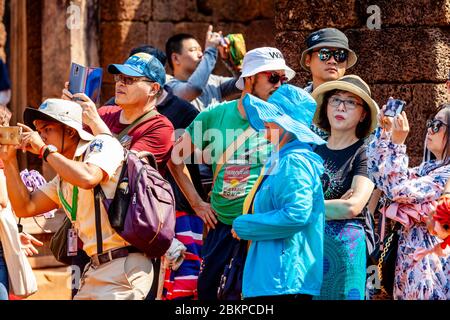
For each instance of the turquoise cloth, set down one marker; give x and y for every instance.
(344, 261)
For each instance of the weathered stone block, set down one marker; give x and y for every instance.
(401, 54)
(117, 39)
(267, 9)
(412, 13)
(2, 9)
(159, 33)
(108, 91)
(198, 30)
(315, 14)
(34, 75)
(291, 44)
(126, 10)
(201, 10)
(56, 57)
(260, 33)
(170, 10)
(2, 34)
(238, 10)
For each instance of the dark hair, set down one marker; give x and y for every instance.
(175, 45)
(446, 153)
(362, 129)
(151, 50)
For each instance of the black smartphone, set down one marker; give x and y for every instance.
(394, 107)
(86, 80)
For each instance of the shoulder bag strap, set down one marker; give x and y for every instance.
(137, 122)
(98, 220)
(231, 149)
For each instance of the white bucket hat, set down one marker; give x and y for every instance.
(263, 59)
(66, 112)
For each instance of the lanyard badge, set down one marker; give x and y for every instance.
(72, 242)
(72, 234)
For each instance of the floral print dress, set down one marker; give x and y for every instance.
(414, 192)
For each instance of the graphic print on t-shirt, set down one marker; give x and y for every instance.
(235, 181)
(237, 169)
(332, 180)
(340, 168)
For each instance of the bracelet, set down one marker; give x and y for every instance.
(41, 151)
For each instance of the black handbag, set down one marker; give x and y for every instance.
(230, 287)
(384, 257)
(58, 243)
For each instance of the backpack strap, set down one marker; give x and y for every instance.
(231, 149)
(137, 122)
(98, 219)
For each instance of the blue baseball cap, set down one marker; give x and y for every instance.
(141, 65)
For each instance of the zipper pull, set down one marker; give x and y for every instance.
(134, 198)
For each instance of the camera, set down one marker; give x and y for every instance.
(10, 135)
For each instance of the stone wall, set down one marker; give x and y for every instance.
(129, 23)
(2, 31)
(408, 58)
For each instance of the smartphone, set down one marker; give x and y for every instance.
(394, 107)
(11, 135)
(86, 80)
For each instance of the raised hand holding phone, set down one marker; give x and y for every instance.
(85, 80)
(400, 129)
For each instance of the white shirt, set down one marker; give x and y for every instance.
(106, 153)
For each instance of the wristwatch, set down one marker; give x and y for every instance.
(49, 149)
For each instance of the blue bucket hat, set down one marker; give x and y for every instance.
(289, 107)
(141, 65)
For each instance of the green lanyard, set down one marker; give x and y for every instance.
(71, 209)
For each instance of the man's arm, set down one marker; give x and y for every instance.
(24, 203)
(183, 148)
(193, 87)
(83, 175)
(351, 207)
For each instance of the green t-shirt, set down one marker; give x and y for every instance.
(212, 131)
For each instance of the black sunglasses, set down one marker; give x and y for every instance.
(274, 77)
(340, 55)
(435, 125)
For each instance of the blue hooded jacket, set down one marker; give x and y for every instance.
(286, 228)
